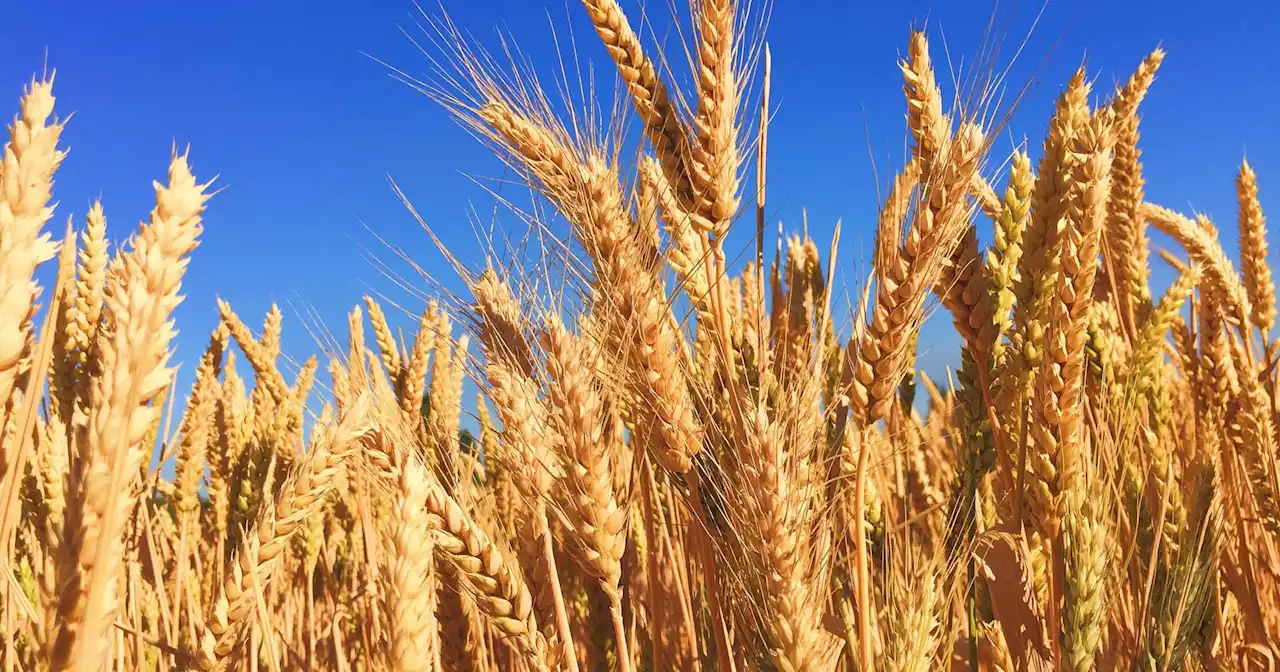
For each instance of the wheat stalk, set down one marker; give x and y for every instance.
(135, 355)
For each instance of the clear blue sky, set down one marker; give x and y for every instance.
(279, 99)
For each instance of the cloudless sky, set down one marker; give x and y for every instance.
(282, 101)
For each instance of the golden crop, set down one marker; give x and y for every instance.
(682, 463)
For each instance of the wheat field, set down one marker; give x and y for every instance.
(688, 459)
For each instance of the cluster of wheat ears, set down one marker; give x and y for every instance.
(680, 465)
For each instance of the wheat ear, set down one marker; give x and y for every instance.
(382, 333)
(300, 497)
(598, 521)
(26, 180)
(716, 155)
(662, 125)
(135, 355)
(91, 278)
(494, 579)
(1222, 281)
(1253, 251)
(411, 596)
(1125, 239)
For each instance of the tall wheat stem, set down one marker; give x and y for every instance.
(865, 650)
(557, 594)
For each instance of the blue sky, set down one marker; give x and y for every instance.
(282, 100)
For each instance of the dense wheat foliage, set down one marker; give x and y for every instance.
(684, 462)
